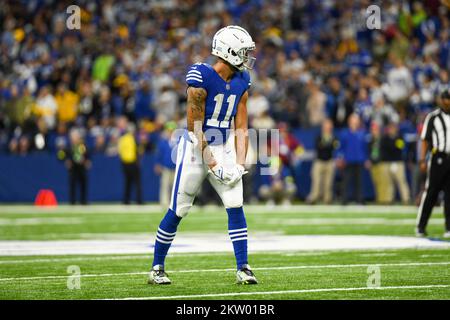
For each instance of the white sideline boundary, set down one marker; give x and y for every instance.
(260, 209)
(325, 266)
(232, 294)
(216, 242)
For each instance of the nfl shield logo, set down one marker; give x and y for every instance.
(227, 86)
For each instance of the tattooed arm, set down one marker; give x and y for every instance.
(196, 98)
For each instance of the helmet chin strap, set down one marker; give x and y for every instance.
(233, 68)
(238, 68)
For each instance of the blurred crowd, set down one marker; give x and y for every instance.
(318, 65)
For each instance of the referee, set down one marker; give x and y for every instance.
(436, 140)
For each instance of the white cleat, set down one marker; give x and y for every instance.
(446, 235)
(158, 276)
(245, 276)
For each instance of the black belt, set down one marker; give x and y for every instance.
(442, 155)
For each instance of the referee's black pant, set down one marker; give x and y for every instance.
(438, 179)
(132, 174)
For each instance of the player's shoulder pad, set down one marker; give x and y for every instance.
(197, 75)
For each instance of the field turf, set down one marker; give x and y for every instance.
(404, 273)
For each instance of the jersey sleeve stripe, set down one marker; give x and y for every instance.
(195, 71)
(194, 79)
(194, 76)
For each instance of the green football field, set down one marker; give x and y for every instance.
(300, 252)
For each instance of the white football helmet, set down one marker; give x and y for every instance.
(233, 44)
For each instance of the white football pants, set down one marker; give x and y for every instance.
(191, 171)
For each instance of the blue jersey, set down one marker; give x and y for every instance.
(221, 100)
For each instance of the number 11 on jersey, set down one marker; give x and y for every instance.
(225, 123)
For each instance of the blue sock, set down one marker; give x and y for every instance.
(164, 236)
(237, 229)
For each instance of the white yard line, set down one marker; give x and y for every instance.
(378, 254)
(144, 256)
(348, 221)
(131, 257)
(232, 294)
(305, 254)
(289, 221)
(330, 266)
(309, 221)
(40, 221)
(433, 255)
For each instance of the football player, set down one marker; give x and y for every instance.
(216, 102)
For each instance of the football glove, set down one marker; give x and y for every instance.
(218, 173)
(228, 176)
(236, 174)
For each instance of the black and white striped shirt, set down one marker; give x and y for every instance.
(436, 131)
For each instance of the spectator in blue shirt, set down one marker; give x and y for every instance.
(143, 101)
(352, 157)
(165, 165)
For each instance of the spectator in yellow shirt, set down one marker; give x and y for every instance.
(128, 154)
(67, 102)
